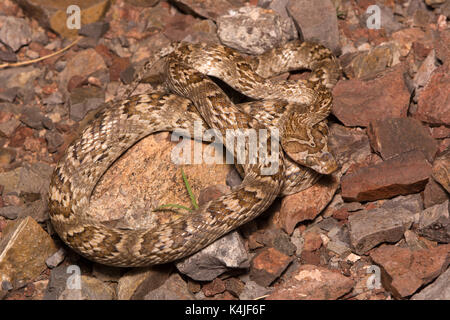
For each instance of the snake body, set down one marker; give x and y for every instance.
(298, 109)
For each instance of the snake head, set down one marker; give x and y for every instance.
(308, 146)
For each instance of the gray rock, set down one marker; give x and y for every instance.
(54, 98)
(175, 288)
(252, 290)
(254, 30)
(38, 210)
(90, 288)
(278, 239)
(438, 290)
(10, 212)
(8, 56)
(48, 123)
(279, 6)
(34, 179)
(328, 224)
(6, 285)
(54, 141)
(60, 65)
(434, 223)
(83, 100)
(224, 254)
(316, 20)
(413, 241)
(340, 234)
(14, 32)
(339, 247)
(370, 228)
(7, 128)
(54, 260)
(21, 77)
(94, 30)
(57, 283)
(413, 203)
(9, 95)
(32, 117)
(427, 67)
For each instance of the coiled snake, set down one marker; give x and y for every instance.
(297, 108)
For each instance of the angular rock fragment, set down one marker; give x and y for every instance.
(402, 175)
(24, 247)
(268, 265)
(137, 283)
(404, 271)
(307, 204)
(174, 288)
(441, 170)
(434, 223)
(438, 290)
(254, 30)
(224, 254)
(316, 21)
(394, 136)
(372, 227)
(357, 102)
(310, 282)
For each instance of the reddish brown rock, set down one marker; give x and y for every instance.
(234, 286)
(440, 132)
(404, 271)
(214, 287)
(392, 137)
(313, 283)
(179, 26)
(433, 194)
(83, 64)
(402, 175)
(357, 103)
(444, 145)
(348, 145)
(406, 37)
(268, 265)
(312, 241)
(441, 45)
(441, 170)
(306, 205)
(434, 101)
(19, 136)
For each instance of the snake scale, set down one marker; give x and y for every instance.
(297, 108)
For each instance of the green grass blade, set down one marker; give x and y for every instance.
(189, 190)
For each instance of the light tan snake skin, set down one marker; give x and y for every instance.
(297, 108)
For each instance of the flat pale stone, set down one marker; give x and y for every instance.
(23, 250)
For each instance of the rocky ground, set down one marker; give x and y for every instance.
(384, 215)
